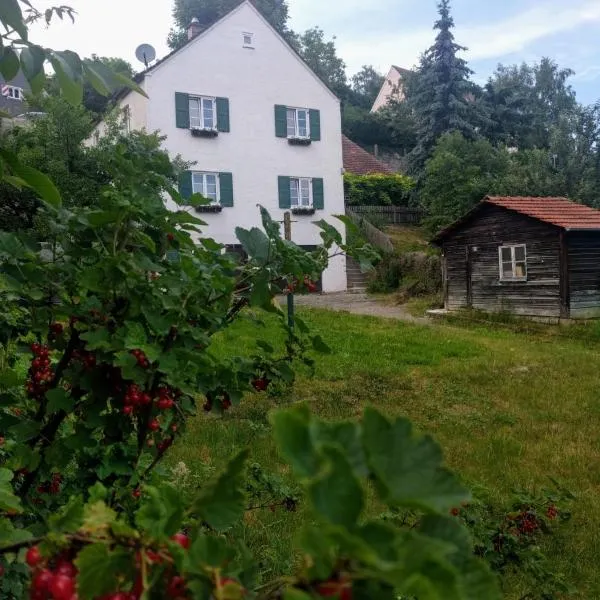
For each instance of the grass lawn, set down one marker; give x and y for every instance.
(510, 409)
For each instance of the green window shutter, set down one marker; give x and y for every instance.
(223, 115)
(182, 110)
(280, 121)
(185, 185)
(315, 125)
(285, 199)
(226, 187)
(318, 194)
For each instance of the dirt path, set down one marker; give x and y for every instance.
(359, 304)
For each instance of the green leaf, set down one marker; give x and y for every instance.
(255, 243)
(9, 63)
(97, 339)
(12, 17)
(320, 346)
(294, 594)
(69, 519)
(161, 513)
(34, 179)
(337, 494)
(67, 66)
(121, 79)
(346, 436)
(330, 233)
(99, 569)
(135, 336)
(9, 379)
(291, 431)
(408, 468)
(59, 399)
(208, 551)
(222, 503)
(93, 73)
(32, 62)
(97, 517)
(8, 500)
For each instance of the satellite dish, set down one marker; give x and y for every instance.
(145, 54)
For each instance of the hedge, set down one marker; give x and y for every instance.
(377, 189)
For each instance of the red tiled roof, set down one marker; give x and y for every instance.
(557, 211)
(361, 162)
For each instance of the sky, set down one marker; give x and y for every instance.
(377, 32)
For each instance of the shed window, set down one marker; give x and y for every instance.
(513, 263)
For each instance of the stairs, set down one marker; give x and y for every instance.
(357, 280)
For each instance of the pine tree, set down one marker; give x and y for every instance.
(440, 93)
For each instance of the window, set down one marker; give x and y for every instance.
(203, 113)
(206, 184)
(248, 40)
(513, 262)
(301, 193)
(298, 123)
(12, 92)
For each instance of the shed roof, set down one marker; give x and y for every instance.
(560, 212)
(361, 162)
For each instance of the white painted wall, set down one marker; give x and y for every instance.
(254, 80)
(388, 89)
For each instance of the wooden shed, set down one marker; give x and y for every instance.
(535, 257)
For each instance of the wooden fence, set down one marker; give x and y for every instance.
(374, 236)
(396, 215)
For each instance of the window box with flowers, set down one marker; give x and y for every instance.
(204, 132)
(299, 141)
(303, 210)
(209, 208)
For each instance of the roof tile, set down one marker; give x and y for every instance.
(361, 162)
(561, 212)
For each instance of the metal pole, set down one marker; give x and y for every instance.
(287, 227)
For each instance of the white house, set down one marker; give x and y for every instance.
(392, 88)
(260, 126)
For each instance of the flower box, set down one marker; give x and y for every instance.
(303, 211)
(209, 208)
(297, 141)
(207, 133)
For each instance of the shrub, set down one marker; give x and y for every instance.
(416, 273)
(377, 189)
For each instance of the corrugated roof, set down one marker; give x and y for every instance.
(361, 162)
(561, 212)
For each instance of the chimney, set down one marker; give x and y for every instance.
(194, 29)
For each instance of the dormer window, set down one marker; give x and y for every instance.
(248, 39)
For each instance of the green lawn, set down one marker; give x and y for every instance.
(510, 409)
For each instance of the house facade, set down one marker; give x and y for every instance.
(537, 257)
(258, 124)
(392, 88)
(12, 95)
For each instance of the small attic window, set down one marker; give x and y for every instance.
(248, 39)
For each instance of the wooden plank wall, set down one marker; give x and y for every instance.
(584, 274)
(491, 228)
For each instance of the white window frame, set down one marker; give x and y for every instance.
(298, 182)
(202, 188)
(514, 262)
(245, 42)
(11, 93)
(201, 100)
(296, 133)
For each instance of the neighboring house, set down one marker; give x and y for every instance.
(528, 256)
(359, 161)
(12, 95)
(259, 125)
(392, 88)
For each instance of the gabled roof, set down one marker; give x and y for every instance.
(139, 77)
(560, 212)
(361, 162)
(401, 70)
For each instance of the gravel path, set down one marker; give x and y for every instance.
(359, 304)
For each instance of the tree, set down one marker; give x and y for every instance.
(92, 99)
(458, 175)
(321, 56)
(526, 102)
(440, 93)
(367, 84)
(210, 11)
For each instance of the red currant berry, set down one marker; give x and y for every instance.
(154, 425)
(128, 410)
(33, 556)
(41, 581)
(182, 539)
(62, 587)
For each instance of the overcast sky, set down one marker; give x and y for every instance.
(378, 32)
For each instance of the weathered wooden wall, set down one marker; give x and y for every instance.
(490, 228)
(584, 274)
